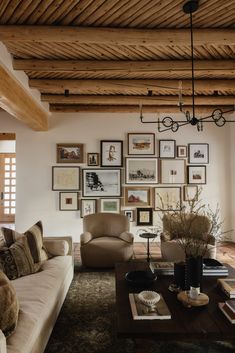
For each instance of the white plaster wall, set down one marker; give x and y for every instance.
(36, 154)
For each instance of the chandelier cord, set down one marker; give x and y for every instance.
(192, 62)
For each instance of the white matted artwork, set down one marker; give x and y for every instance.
(198, 153)
(111, 153)
(65, 178)
(68, 201)
(197, 174)
(101, 182)
(110, 205)
(129, 214)
(88, 206)
(141, 170)
(167, 148)
(172, 171)
(167, 198)
(141, 143)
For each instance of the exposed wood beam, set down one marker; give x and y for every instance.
(135, 100)
(128, 108)
(7, 136)
(78, 86)
(18, 102)
(116, 36)
(200, 66)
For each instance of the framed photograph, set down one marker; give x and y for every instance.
(70, 153)
(190, 192)
(139, 143)
(111, 153)
(137, 196)
(110, 205)
(129, 214)
(196, 174)
(68, 201)
(65, 178)
(144, 217)
(93, 159)
(101, 182)
(88, 206)
(181, 151)
(167, 148)
(141, 170)
(167, 198)
(198, 153)
(172, 171)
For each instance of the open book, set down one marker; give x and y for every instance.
(141, 311)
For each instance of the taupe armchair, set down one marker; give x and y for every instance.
(170, 247)
(105, 240)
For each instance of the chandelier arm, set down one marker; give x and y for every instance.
(169, 128)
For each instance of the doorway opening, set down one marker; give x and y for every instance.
(7, 179)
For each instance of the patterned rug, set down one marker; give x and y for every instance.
(86, 323)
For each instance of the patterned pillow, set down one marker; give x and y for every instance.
(16, 261)
(34, 237)
(9, 306)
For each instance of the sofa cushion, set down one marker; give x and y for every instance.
(9, 306)
(58, 248)
(34, 236)
(16, 261)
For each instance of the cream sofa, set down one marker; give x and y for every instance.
(41, 296)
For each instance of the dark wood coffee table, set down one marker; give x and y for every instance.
(206, 322)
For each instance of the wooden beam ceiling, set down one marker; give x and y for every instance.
(116, 36)
(18, 102)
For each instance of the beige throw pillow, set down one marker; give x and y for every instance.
(9, 306)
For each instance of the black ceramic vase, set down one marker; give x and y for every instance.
(193, 269)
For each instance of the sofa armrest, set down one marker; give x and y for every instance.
(127, 236)
(3, 345)
(85, 238)
(56, 239)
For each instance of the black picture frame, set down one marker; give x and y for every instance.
(144, 216)
(111, 153)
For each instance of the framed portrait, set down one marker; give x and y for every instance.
(137, 196)
(129, 214)
(143, 170)
(65, 178)
(181, 151)
(111, 153)
(139, 143)
(110, 205)
(101, 182)
(172, 171)
(69, 153)
(87, 206)
(144, 216)
(93, 159)
(167, 198)
(196, 174)
(68, 201)
(167, 148)
(198, 153)
(190, 192)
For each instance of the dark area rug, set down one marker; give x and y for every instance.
(86, 323)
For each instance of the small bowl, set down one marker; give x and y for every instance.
(140, 279)
(149, 297)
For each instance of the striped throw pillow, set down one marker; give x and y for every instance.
(34, 236)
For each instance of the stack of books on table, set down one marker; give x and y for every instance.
(228, 286)
(228, 308)
(141, 311)
(162, 268)
(212, 267)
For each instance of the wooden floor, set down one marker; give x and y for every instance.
(225, 252)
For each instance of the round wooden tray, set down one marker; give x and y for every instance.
(201, 300)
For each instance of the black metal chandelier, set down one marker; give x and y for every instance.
(168, 123)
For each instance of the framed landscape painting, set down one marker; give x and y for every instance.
(141, 170)
(88, 206)
(137, 196)
(111, 153)
(198, 153)
(110, 205)
(167, 198)
(141, 143)
(197, 174)
(65, 178)
(69, 152)
(101, 182)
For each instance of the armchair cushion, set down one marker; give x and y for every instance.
(85, 238)
(127, 236)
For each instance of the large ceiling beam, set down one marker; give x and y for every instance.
(116, 36)
(129, 109)
(135, 100)
(78, 86)
(183, 66)
(18, 102)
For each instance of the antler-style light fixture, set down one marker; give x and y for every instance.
(168, 123)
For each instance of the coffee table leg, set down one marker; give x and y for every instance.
(141, 346)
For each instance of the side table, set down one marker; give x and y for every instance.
(148, 236)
